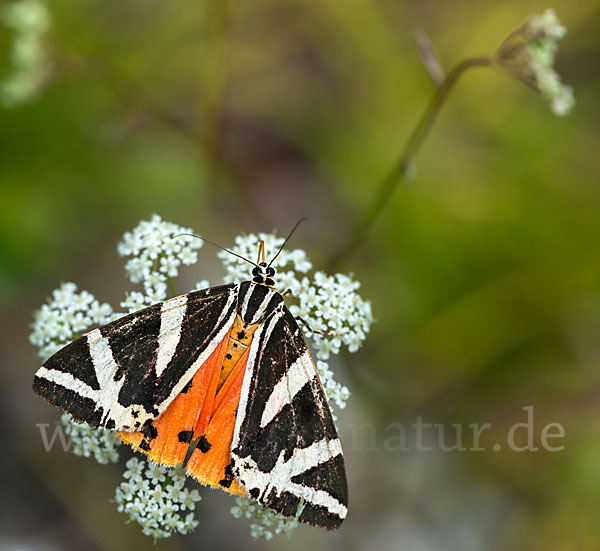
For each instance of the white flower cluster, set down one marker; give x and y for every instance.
(158, 249)
(334, 312)
(545, 31)
(530, 52)
(86, 441)
(334, 391)
(66, 316)
(154, 496)
(265, 521)
(30, 22)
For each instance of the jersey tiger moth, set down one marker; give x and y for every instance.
(219, 379)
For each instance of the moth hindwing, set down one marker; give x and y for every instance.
(222, 377)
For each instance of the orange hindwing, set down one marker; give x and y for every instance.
(203, 416)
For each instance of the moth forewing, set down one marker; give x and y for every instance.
(285, 447)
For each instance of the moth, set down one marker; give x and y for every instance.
(220, 380)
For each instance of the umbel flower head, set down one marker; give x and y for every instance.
(152, 495)
(529, 53)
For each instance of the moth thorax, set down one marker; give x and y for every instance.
(240, 338)
(263, 275)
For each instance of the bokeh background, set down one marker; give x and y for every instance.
(484, 273)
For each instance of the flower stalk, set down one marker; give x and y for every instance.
(527, 53)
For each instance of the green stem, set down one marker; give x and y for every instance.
(403, 164)
(171, 284)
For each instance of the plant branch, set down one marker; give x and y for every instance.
(404, 162)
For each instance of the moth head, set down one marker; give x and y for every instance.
(263, 274)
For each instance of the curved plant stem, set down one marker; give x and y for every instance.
(403, 165)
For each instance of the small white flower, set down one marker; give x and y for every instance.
(157, 500)
(134, 467)
(86, 441)
(258, 531)
(169, 265)
(189, 498)
(156, 294)
(334, 391)
(202, 284)
(133, 302)
(156, 473)
(188, 256)
(188, 524)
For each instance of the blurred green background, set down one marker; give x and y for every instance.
(484, 274)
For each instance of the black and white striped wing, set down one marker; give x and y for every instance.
(126, 373)
(285, 448)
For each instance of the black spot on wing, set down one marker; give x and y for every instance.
(75, 359)
(145, 445)
(203, 444)
(185, 436)
(187, 387)
(149, 431)
(228, 479)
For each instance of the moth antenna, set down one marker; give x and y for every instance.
(286, 240)
(218, 246)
